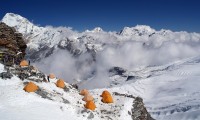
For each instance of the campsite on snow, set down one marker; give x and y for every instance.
(99, 60)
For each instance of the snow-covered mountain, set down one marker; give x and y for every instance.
(43, 38)
(159, 65)
(93, 51)
(138, 30)
(47, 38)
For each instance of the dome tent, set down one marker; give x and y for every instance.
(52, 76)
(104, 93)
(31, 87)
(60, 83)
(23, 63)
(84, 92)
(88, 97)
(90, 105)
(106, 97)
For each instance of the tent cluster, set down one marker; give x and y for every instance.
(32, 87)
(106, 98)
(60, 82)
(88, 99)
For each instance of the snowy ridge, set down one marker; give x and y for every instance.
(138, 30)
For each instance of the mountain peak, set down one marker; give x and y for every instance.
(137, 30)
(95, 30)
(14, 19)
(20, 23)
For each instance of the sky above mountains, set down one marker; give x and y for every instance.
(111, 15)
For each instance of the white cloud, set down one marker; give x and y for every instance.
(129, 52)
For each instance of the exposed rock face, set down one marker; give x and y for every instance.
(27, 73)
(5, 75)
(12, 45)
(139, 112)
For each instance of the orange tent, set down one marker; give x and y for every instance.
(88, 97)
(84, 92)
(106, 97)
(52, 76)
(90, 105)
(60, 83)
(104, 93)
(23, 63)
(31, 87)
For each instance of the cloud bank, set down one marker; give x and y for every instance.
(130, 52)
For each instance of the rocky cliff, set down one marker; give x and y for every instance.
(12, 45)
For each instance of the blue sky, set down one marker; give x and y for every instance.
(111, 15)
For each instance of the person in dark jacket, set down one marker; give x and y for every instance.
(48, 78)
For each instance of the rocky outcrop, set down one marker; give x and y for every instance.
(30, 72)
(139, 111)
(12, 45)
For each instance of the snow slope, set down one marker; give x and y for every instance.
(172, 92)
(16, 104)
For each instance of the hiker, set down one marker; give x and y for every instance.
(48, 78)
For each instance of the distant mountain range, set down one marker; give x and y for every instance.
(48, 39)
